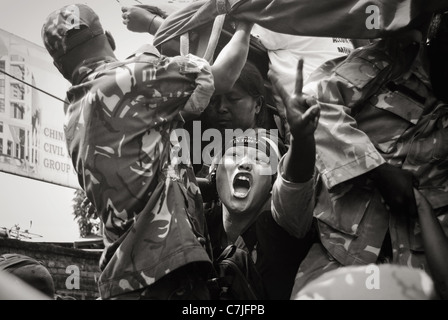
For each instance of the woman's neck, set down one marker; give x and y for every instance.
(236, 223)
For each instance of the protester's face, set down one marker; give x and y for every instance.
(234, 110)
(239, 180)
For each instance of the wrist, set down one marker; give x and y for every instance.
(302, 139)
(151, 22)
(298, 165)
(244, 27)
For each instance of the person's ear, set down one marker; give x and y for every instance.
(111, 39)
(260, 101)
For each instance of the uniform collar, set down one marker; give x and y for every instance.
(147, 49)
(86, 67)
(94, 64)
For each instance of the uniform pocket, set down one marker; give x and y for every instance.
(431, 144)
(430, 149)
(361, 67)
(386, 117)
(343, 210)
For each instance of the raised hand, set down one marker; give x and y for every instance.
(302, 112)
(137, 19)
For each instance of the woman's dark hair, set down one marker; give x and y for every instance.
(252, 82)
(153, 9)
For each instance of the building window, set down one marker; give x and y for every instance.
(15, 57)
(2, 105)
(17, 150)
(18, 72)
(17, 91)
(2, 65)
(2, 86)
(1, 146)
(17, 110)
(22, 136)
(9, 150)
(1, 126)
(22, 144)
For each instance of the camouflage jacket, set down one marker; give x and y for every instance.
(119, 127)
(377, 106)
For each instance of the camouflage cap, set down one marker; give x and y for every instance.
(56, 33)
(29, 270)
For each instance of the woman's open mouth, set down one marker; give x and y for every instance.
(241, 185)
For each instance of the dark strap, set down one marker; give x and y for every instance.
(248, 239)
(212, 41)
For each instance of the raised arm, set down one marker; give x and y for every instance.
(142, 19)
(302, 115)
(228, 65)
(294, 186)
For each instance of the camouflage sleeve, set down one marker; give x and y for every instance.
(343, 151)
(204, 82)
(287, 197)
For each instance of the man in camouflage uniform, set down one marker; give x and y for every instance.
(382, 156)
(120, 134)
